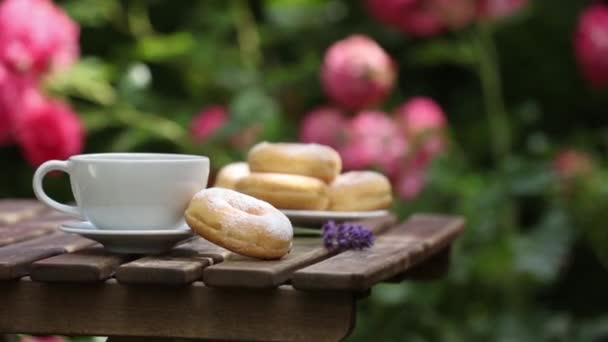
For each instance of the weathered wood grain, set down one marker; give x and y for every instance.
(194, 311)
(184, 264)
(399, 249)
(239, 271)
(433, 268)
(15, 259)
(199, 247)
(30, 228)
(15, 210)
(92, 264)
(163, 270)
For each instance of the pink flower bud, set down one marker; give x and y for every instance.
(414, 17)
(571, 163)
(421, 115)
(454, 14)
(495, 9)
(373, 140)
(410, 182)
(206, 123)
(36, 35)
(591, 44)
(423, 18)
(323, 125)
(49, 129)
(357, 73)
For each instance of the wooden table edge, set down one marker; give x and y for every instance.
(199, 312)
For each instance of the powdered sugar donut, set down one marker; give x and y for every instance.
(312, 160)
(360, 190)
(240, 223)
(230, 174)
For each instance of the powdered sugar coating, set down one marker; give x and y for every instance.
(249, 210)
(297, 150)
(353, 178)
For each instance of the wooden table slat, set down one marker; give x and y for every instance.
(394, 252)
(92, 264)
(433, 268)
(31, 228)
(183, 265)
(199, 247)
(239, 271)
(15, 259)
(15, 210)
(164, 270)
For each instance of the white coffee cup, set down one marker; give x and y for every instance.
(128, 190)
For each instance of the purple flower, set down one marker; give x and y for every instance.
(347, 235)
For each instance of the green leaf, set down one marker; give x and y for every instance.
(97, 120)
(541, 253)
(93, 13)
(129, 139)
(253, 107)
(443, 51)
(164, 47)
(89, 79)
(298, 14)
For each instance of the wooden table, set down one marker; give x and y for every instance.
(57, 283)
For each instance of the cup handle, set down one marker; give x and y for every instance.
(45, 168)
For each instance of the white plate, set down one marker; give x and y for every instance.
(315, 218)
(129, 241)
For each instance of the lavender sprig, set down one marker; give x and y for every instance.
(347, 235)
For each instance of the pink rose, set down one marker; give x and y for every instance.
(454, 14)
(49, 129)
(323, 125)
(357, 73)
(421, 115)
(591, 44)
(571, 163)
(414, 17)
(423, 18)
(390, 12)
(16, 91)
(206, 123)
(411, 181)
(493, 9)
(373, 140)
(423, 121)
(36, 35)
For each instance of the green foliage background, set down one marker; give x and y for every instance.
(529, 265)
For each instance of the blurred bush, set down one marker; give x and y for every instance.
(520, 83)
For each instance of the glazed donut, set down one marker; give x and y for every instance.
(359, 191)
(230, 174)
(286, 191)
(240, 223)
(312, 160)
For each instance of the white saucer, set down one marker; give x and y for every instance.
(317, 217)
(129, 241)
